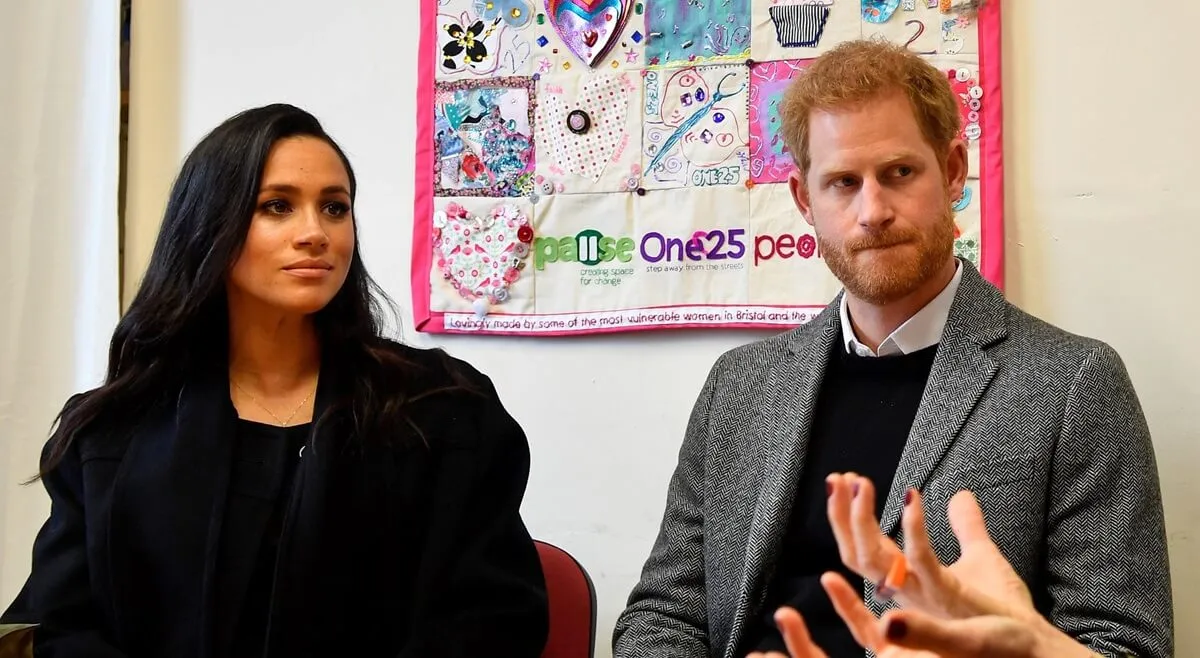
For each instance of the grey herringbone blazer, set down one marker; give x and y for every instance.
(1044, 426)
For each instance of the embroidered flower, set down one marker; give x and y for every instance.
(466, 42)
(806, 246)
(514, 12)
(506, 212)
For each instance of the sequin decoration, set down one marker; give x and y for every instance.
(878, 11)
(516, 13)
(483, 137)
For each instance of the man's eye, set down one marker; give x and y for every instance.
(844, 181)
(904, 171)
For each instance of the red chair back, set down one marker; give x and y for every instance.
(572, 598)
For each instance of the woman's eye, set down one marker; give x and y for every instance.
(275, 206)
(337, 209)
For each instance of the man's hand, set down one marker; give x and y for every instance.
(863, 625)
(974, 608)
(989, 636)
(995, 589)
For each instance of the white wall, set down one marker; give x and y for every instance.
(58, 237)
(1100, 155)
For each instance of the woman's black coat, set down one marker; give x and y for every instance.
(416, 551)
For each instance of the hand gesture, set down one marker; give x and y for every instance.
(863, 625)
(977, 607)
(937, 590)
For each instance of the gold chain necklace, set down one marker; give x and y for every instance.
(282, 423)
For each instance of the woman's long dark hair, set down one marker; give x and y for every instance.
(177, 323)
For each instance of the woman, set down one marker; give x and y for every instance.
(262, 472)
(977, 607)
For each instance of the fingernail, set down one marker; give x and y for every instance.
(896, 629)
(828, 488)
(908, 497)
(883, 593)
(854, 490)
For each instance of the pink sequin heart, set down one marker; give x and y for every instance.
(481, 256)
(589, 28)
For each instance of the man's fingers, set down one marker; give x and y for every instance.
(838, 507)
(873, 551)
(850, 608)
(914, 630)
(966, 519)
(795, 634)
(978, 637)
(922, 560)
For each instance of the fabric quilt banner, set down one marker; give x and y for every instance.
(589, 166)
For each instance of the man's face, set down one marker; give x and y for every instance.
(878, 199)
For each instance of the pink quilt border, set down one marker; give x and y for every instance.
(991, 176)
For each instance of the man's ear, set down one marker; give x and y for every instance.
(799, 189)
(956, 168)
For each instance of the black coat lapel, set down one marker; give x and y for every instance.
(166, 517)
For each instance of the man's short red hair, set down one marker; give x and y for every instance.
(855, 72)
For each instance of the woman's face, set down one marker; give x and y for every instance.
(301, 238)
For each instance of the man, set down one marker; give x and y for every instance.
(918, 375)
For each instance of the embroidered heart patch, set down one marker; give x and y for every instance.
(481, 256)
(604, 101)
(589, 28)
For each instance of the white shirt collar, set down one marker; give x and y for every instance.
(918, 332)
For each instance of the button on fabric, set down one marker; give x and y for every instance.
(578, 122)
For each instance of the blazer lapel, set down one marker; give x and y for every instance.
(961, 372)
(168, 502)
(783, 430)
